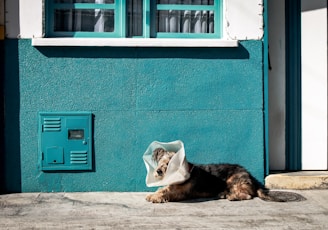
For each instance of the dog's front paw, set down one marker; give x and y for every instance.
(156, 198)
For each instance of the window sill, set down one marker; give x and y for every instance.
(134, 42)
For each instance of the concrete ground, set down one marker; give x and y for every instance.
(108, 210)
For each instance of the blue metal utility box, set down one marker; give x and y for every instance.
(65, 140)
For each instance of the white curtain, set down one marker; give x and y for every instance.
(103, 19)
(99, 18)
(186, 21)
(135, 17)
(85, 20)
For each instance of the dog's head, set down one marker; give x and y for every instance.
(162, 157)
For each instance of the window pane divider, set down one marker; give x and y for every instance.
(186, 35)
(146, 19)
(120, 18)
(84, 6)
(185, 7)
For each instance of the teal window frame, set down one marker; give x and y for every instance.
(120, 19)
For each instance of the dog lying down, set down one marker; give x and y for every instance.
(229, 181)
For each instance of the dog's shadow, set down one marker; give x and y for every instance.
(284, 196)
(287, 196)
(200, 200)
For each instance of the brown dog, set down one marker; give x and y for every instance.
(229, 181)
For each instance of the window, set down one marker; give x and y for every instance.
(134, 18)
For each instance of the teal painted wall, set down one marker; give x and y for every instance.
(210, 98)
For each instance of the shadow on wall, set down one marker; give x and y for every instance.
(313, 5)
(239, 52)
(2, 151)
(10, 158)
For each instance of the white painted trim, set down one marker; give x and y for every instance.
(314, 85)
(244, 19)
(134, 42)
(30, 17)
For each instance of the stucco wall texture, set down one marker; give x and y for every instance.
(210, 98)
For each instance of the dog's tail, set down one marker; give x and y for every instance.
(265, 195)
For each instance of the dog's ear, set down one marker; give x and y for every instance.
(158, 154)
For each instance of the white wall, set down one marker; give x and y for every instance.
(30, 20)
(12, 18)
(277, 111)
(244, 19)
(2, 12)
(314, 85)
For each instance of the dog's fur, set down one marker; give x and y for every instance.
(230, 181)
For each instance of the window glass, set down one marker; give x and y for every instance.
(185, 16)
(187, 2)
(84, 20)
(135, 17)
(85, 1)
(185, 21)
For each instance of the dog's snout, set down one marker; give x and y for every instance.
(159, 172)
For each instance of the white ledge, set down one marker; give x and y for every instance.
(134, 42)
